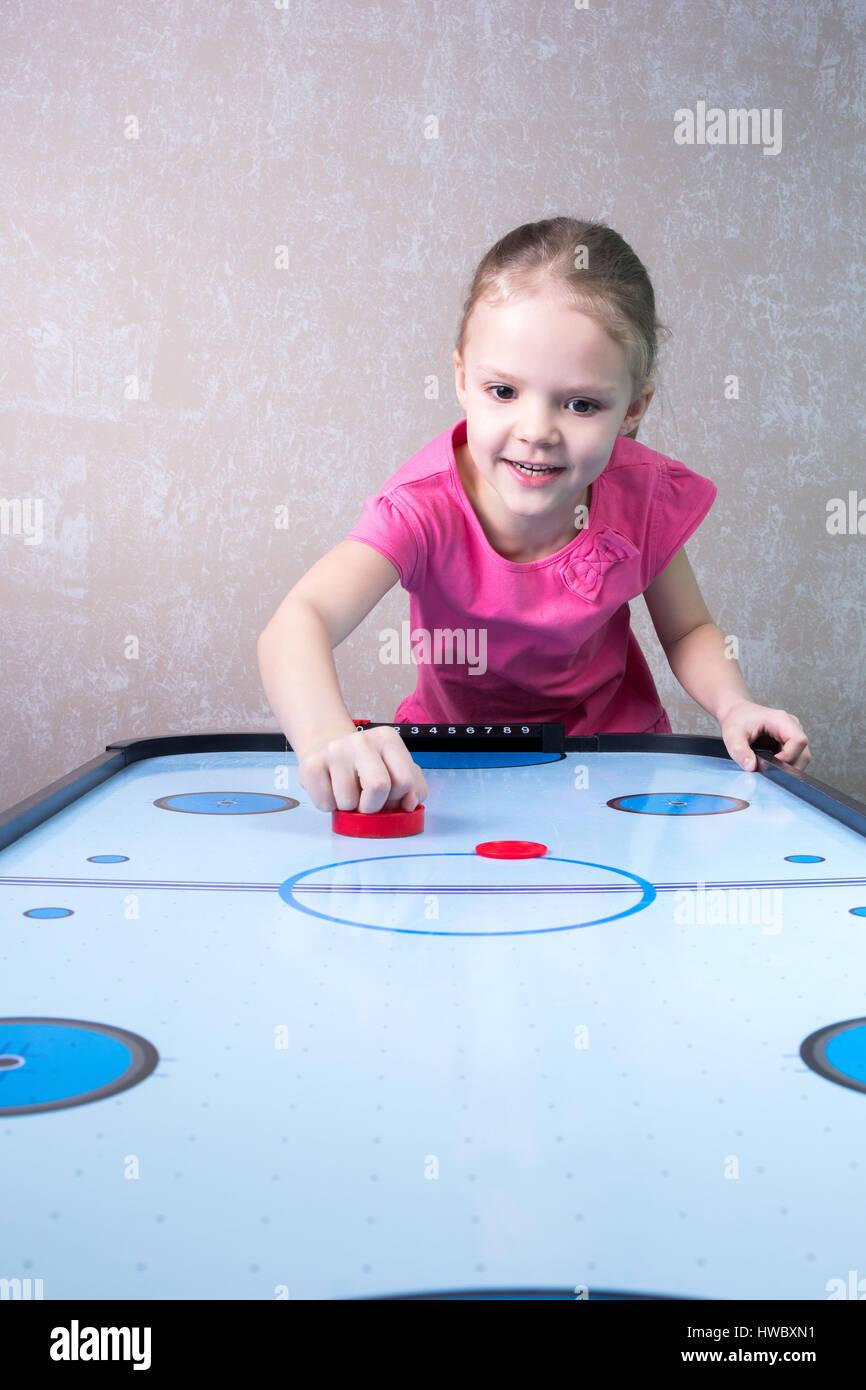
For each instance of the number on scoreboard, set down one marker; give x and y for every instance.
(518, 737)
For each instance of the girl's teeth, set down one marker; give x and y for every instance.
(524, 469)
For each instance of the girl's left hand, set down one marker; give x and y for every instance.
(745, 721)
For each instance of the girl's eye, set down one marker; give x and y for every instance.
(577, 399)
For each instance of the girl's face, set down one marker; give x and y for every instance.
(542, 384)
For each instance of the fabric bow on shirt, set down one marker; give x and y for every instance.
(584, 573)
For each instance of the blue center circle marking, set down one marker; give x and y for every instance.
(513, 883)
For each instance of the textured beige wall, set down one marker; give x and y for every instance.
(170, 379)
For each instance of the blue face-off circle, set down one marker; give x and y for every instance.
(677, 804)
(226, 803)
(838, 1053)
(291, 886)
(52, 1063)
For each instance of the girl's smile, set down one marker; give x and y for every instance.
(540, 475)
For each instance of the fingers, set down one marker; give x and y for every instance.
(796, 752)
(795, 744)
(776, 728)
(363, 771)
(737, 742)
(375, 778)
(315, 778)
(407, 785)
(358, 776)
(742, 754)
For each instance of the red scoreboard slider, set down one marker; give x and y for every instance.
(378, 825)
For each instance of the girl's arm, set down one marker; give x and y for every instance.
(697, 654)
(703, 667)
(691, 641)
(295, 649)
(338, 766)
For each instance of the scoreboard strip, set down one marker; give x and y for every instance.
(515, 736)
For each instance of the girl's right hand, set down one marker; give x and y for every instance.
(363, 771)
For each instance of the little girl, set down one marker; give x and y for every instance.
(520, 534)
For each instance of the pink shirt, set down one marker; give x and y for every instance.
(548, 640)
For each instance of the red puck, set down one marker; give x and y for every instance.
(511, 849)
(375, 825)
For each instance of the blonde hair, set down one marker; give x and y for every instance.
(596, 269)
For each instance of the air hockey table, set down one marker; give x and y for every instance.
(245, 1057)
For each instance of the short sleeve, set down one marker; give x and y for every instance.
(388, 529)
(682, 500)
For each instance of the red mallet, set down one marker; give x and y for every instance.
(378, 825)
